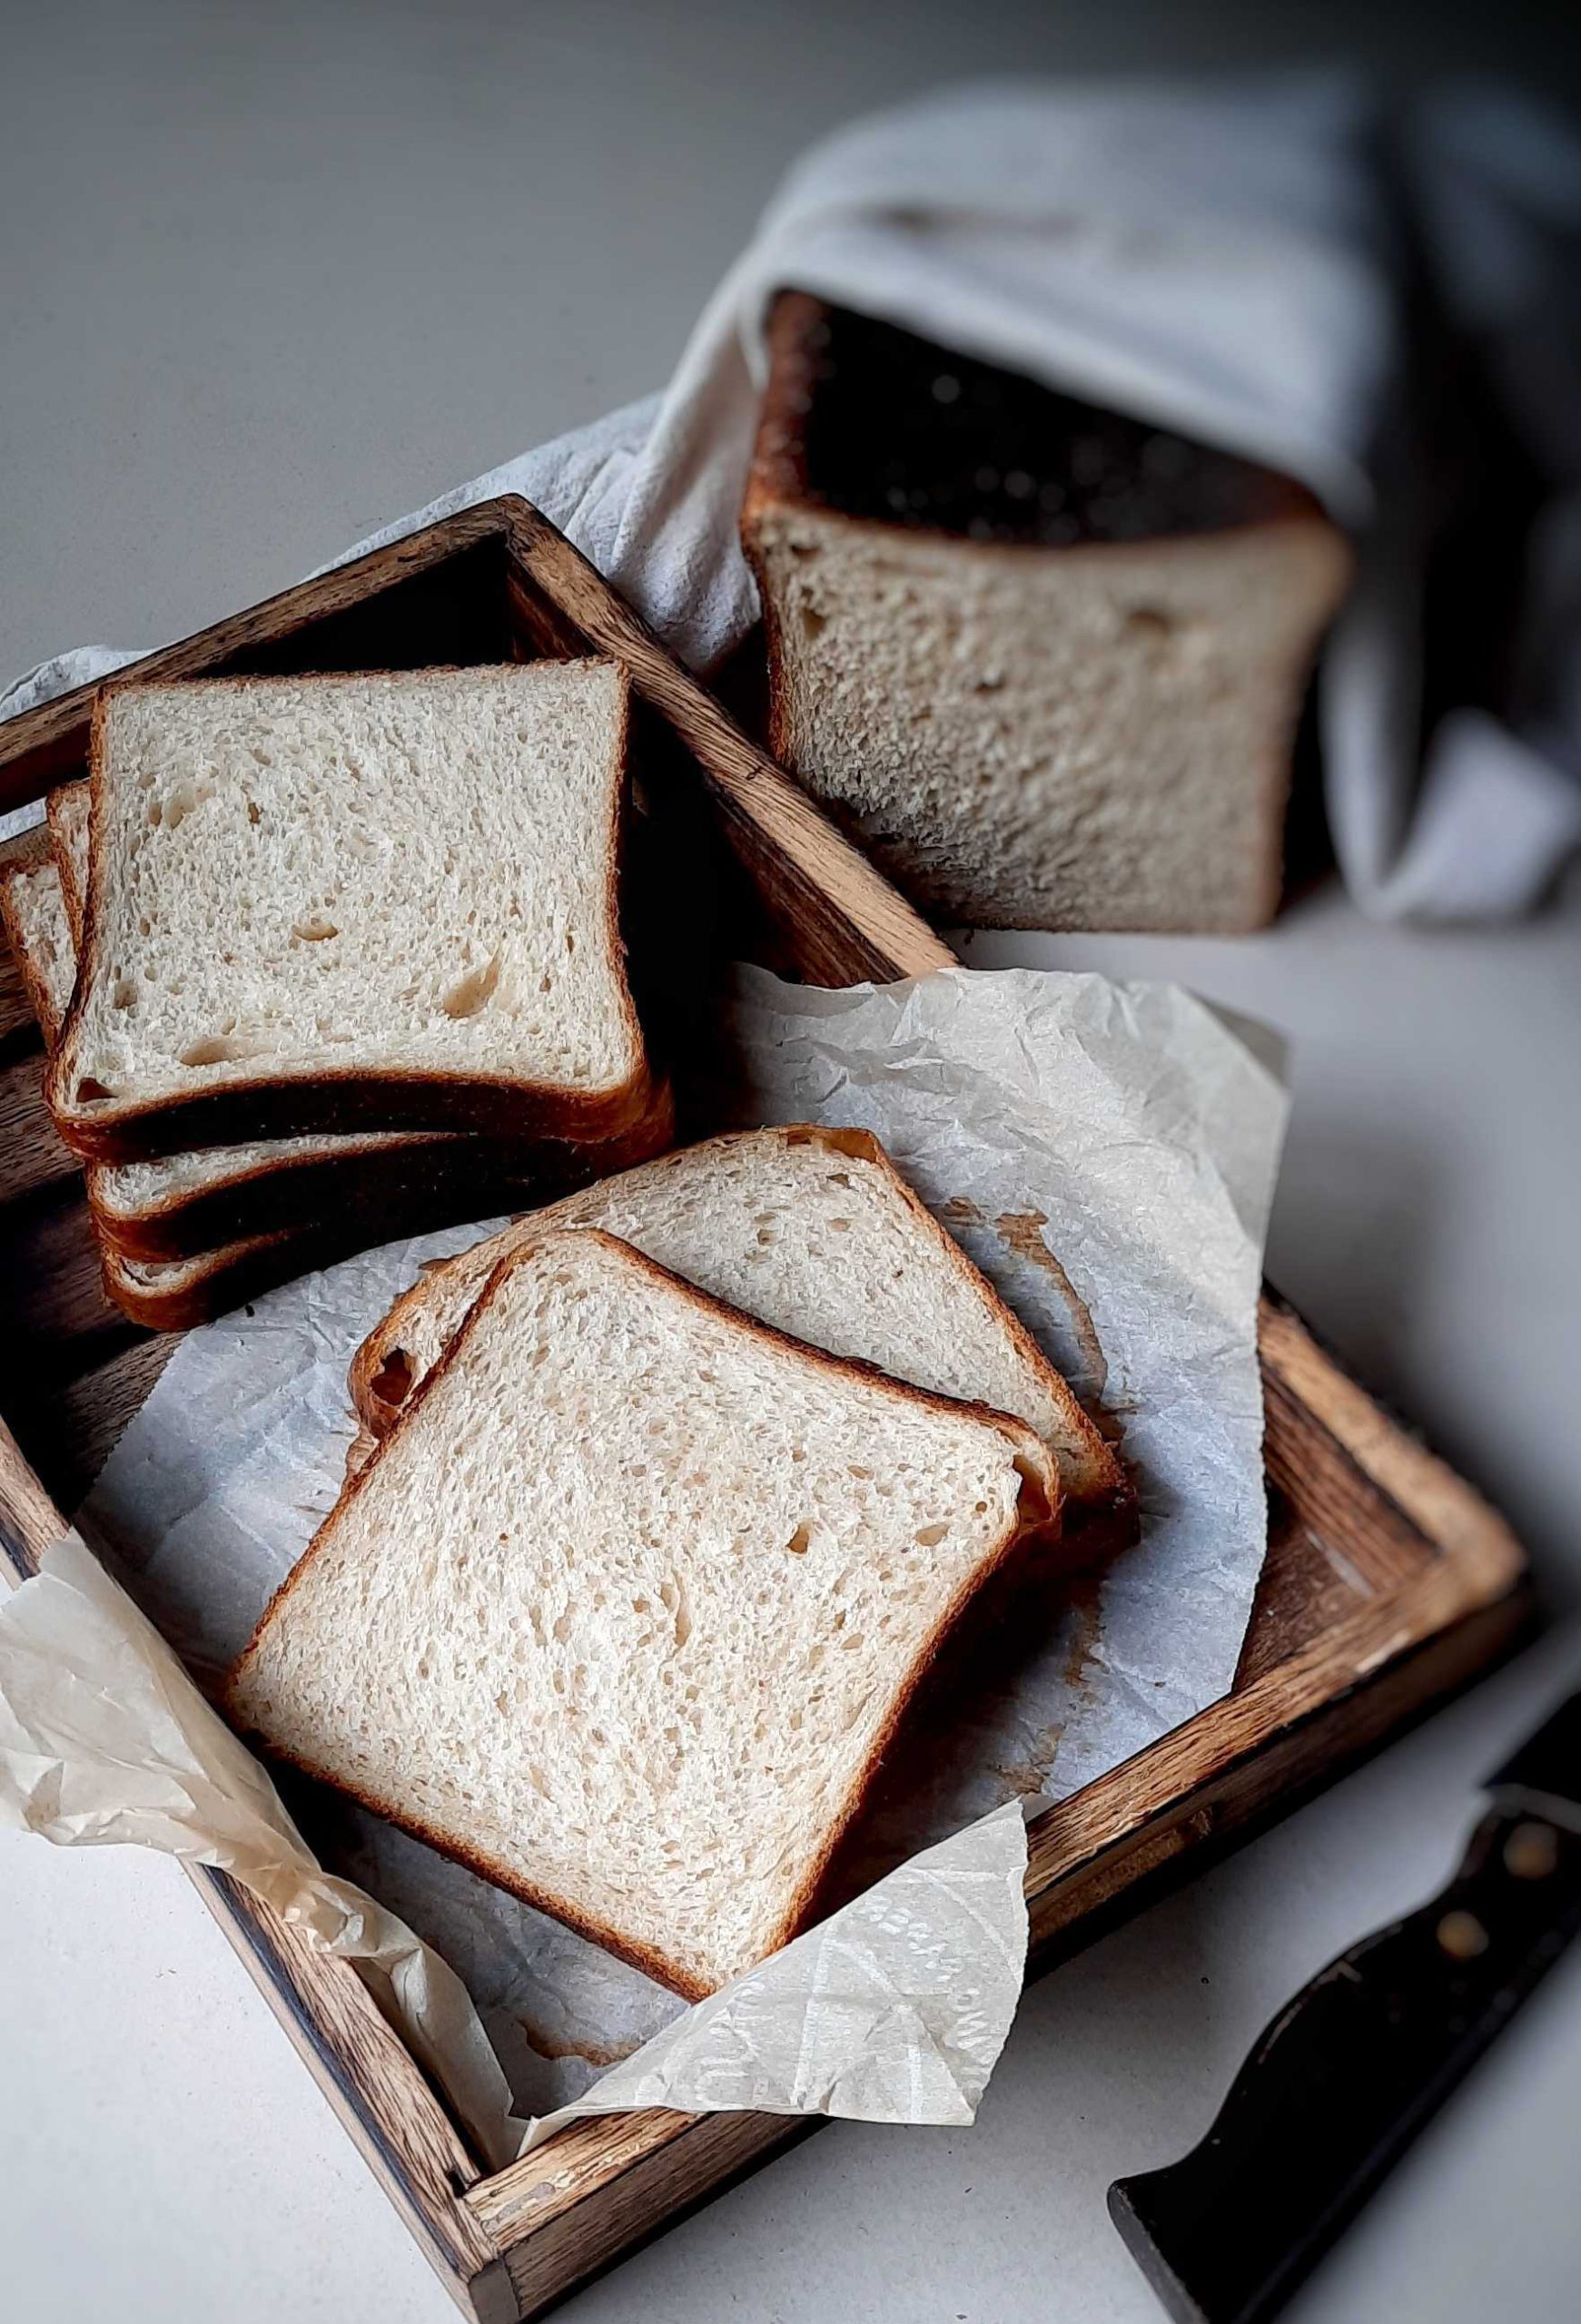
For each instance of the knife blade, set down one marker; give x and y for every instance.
(1339, 2084)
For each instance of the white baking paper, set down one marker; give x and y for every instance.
(1107, 1154)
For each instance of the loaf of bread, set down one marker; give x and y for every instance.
(1044, 660)
(372, 902)
(626, 1611)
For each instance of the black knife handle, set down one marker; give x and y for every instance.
(1342, 2080)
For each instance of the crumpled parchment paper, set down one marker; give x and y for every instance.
(1107, 1154)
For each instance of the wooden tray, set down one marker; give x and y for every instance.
(1387, 1580)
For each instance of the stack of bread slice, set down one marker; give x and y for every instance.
(670, 1495)
(322, 960)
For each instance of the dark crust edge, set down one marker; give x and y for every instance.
(290, 1105)
(1105, 1496)
(1035, 1488)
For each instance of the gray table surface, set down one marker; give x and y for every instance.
(270, 275)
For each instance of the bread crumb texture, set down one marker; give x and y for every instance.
(406, 872)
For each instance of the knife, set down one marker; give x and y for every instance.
(1343, 2078)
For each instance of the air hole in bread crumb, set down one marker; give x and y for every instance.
(930, 1536)
(839, 1226)
(800, 1542)
(177, 805)
(1149, 622)
(864, 1475)
(218, 1048)
(840, 1178)
(814, 622)
(90, 1092)
(125, 993)
(255, 812)
(472, 993)
(314, 929)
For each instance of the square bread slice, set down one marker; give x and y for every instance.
(626, 1611)
(815, 1232)
(183, 1238)
(383, 900)
(191, 1206)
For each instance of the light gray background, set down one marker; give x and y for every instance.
(271, 274)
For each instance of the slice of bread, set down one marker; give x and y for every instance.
(1046, 661)
(815, 1232)
(348, 902)
(186, 1238)
(186, 1205)
(626, 1611)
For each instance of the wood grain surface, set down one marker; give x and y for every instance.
(1388, 1579)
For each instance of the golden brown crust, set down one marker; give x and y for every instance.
(287, 1104)
(1107, 1499)
(1037, 1504)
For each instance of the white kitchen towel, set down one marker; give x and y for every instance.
(1225, 262)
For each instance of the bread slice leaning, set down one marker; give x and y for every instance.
(815, 1232)
(383, 900)
(626, 1611)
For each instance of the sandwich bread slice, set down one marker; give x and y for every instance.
(626, 1611)
(815, 1232)
(188, 1206)
(182, 1238)
(383, 900)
